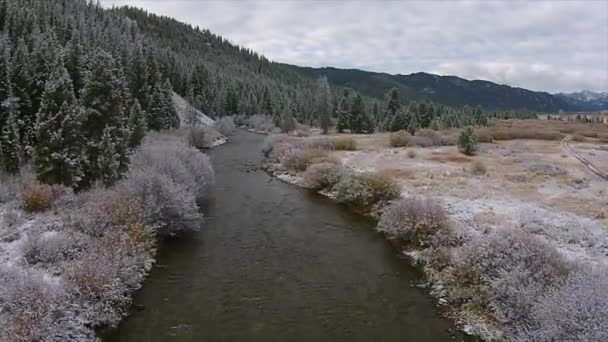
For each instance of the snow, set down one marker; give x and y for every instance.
(183, 107)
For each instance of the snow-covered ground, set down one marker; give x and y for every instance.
(186, 112)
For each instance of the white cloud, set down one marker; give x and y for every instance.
(540, 45)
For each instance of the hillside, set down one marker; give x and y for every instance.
(448, 90)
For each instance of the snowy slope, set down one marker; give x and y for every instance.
(184, 110)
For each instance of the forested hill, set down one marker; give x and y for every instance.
(447, 90)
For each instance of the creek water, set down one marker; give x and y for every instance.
(273, 262)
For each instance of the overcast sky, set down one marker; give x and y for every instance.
(540, 45)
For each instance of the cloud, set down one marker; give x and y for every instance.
(540, 45)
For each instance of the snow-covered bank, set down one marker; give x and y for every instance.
(69, 263)
(504, 260)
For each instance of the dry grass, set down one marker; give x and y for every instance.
(411, 154)
(345, 144)
(443, 156)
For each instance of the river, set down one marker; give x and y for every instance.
(273, 262)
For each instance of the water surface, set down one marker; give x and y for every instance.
(275, 263)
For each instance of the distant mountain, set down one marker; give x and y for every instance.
(586, 100)
(448, 90)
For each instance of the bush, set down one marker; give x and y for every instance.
(506, 272)
(346, 144)
(297, 159)
(414, 220)
(431, 138)
(168, 180)
(478, 168)
(37, 197)
(401, 139)
(225, 125)
(52, 247)
(576, 311)
(467, 142)
(322, 176)
(302, 131)
(366, 189)
(411, 154)
(203, 137)
(323, 143)
(260, 122)
(34, 309)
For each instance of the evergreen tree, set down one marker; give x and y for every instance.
(59, 153)
(137, 124)
(288, 123)
(344, 112)
(74, 62)
(392, 104)
(10, 143)
(357, 118)
(6, 88)
(139, 75)
(22, 88)
(267, 106)
(108, 161)
(161, 111)
(324, 104)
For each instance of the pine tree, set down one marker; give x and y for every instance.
(392, 104)
(267, 106)
(344, 112)
(139, 75)
(137, 124)
(74, 62)
(356, 121)
(59, 153)
(108, 161)
(10, 143)
(161, 111)
(324, 104)
(22, 88)
(6, 87)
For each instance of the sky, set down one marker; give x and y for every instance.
(554, 46)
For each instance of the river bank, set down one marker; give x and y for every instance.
(494, 277)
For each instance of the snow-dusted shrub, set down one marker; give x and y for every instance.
(34, 309)
(478, 168)
(170, 206)
(299, 159)
(322, 176)
(576, 311)
(225, 125)
(182, 164)
(366, 189)
(52, 247)
(98, 210)
(203, 137)
(260, 122)
(506, 273)
(102, 280)
(37, 197)
(415, 220)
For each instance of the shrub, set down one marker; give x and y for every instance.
(411, 154)
(260, 122)
(225, 125)
(467, 142)
(576, 311)
(431, 138)
(34, 309)
(52, 247)
(168, 180)
(9, 187)
(414, 220)
(346, 144)
(401, 139)
(366, 189)
(323, 143)
(300, 159)
(478, 168)
(203, 137)
(302, 131)
(322, 176)
(506, 272)
(37, 197)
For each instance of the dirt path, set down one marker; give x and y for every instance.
(585, 162)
